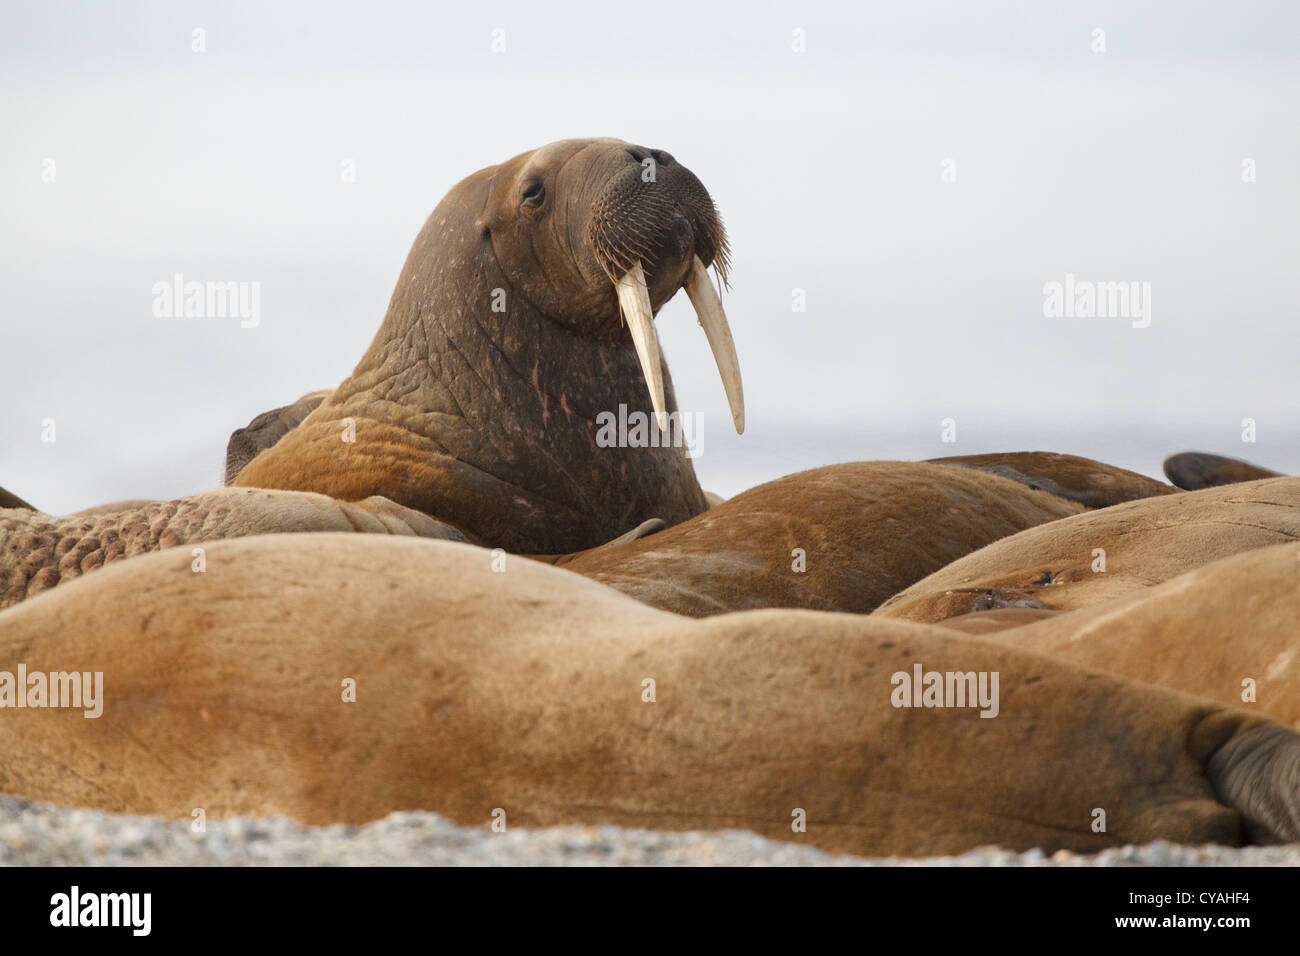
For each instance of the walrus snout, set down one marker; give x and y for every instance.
(670, 259)
(653, 230)
(639, 153)
(657, 212)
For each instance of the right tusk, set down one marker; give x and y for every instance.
(708, 307)
(634, 300)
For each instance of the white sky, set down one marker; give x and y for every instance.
(924, 297)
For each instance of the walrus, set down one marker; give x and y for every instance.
(523, 315)
(838, 538)
(1092, 484)
(1098, 555)
(40, 551)
(1207, 632)
(1194, 470)
(265, 430)
(281, 682)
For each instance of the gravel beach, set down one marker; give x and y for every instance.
(34, 834)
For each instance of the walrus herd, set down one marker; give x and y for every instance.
(440, 587)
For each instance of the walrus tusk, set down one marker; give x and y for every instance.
(708, 307)
(635, 302)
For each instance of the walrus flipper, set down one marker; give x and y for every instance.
(265, 430)
(1257, 773)
(1194, 470)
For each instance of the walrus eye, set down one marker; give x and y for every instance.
(534, 192)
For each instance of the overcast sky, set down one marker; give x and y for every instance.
(919, 170)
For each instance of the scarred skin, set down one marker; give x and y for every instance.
(523, 691)
(1092, 484)
(1203, 632)
(40, 551)
(867, 530)
(1145, 543)
(486, 418)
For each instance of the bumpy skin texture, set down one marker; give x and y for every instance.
(867, 529)
(1145, 543)
(265, 430)
(1202, 632)
(523, 690)
(1092, 484)
(39, 551)
(1194, 470)
(477, 401)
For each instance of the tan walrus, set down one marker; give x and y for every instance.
(1104, 554)
(341, 677)
(1228, 631)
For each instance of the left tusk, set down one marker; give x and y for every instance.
(634, 300)
(708, 307)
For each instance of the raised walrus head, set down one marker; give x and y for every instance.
(524, 311)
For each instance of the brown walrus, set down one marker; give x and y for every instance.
(552, 699)
(839, 538)
(524, 313)
(480, 399)
(1092, 484)
(1104, 554)
(1194, 470)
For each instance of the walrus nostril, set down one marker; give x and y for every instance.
(662, 158)
(639, 155)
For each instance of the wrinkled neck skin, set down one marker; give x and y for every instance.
(486, 419)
